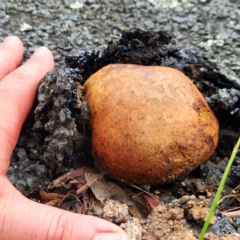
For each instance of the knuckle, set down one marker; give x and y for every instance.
(18, 76)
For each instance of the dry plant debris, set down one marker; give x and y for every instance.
(112, 202)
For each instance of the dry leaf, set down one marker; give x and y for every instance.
(75, 176)
(53, 203)
(98, 207)
(152, 202)
(69, 202)
(80, 208)
(50, 196)
(88, 201)
(141, 208)
(238, 197)
(104, 190)
(87, 185)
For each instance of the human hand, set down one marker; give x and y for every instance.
(21, 218)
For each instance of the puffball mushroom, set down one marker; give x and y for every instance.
(150, 124)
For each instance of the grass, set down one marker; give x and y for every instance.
(219, 190)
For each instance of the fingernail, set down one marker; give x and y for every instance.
(40, 52)
(10, 41)
(111, 236)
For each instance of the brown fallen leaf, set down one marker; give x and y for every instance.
(104, 190)
(98, 207)
(88, 201)
(232, 212)
(68, 203)
(145, 191)
(80, 208)
(50, 196)
(88, 184)
(53, 203)
(238, 197)
(75, 176)
(140, 208)
(152, 201)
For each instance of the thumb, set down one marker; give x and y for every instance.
(22, 218)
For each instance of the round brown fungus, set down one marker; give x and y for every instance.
(150, 124)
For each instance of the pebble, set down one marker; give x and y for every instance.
(237, 27)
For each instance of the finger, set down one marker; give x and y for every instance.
(17, 91)
(25, 219)
(11, 52)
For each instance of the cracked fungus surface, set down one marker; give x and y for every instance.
(204, 115)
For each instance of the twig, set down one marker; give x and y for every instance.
(228, 196)
(57, 182)
(231, 209)
(232, 214)
(89, 184)
(66, 196)
(74, 173)
(148, 193)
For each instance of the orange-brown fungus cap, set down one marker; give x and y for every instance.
(150, 124)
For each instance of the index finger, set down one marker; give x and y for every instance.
(17, 93)
(11, 52)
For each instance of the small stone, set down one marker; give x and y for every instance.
(25, 27)
(115, 212)
(237, 27)
(77, 5)
(149, 24)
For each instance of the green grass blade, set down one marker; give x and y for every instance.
(220, 188)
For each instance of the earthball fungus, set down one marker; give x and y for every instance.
(150, 124)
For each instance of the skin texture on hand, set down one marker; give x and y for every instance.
(21, 218)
